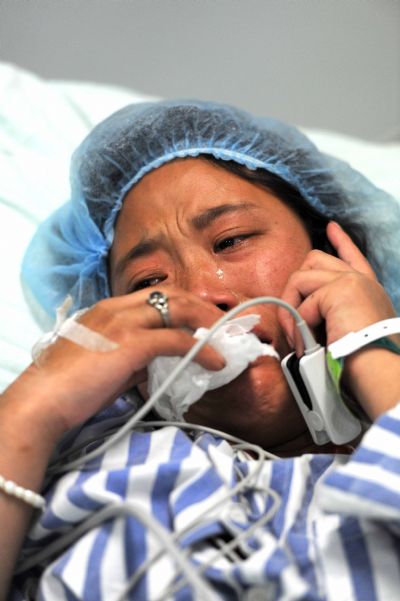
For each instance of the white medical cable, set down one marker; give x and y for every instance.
(117, 510)
(228, 437)
(55, 467)
(162, 534)
(228, 546)
(245, 483)
(126, 507)
(65, 539)
(222, 552)
(76, 450)
(231, 554)
(234, 558)
(310, 345)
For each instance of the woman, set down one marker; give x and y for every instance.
(156, 206)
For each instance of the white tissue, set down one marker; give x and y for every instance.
(233, 340)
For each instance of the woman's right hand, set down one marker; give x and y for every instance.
(74, 383)
(71, 383)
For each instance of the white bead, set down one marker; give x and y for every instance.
(9, 487)
(26, 495)
(19, 492)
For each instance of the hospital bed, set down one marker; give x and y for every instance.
(41, 122)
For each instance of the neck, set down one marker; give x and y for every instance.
(303, 444)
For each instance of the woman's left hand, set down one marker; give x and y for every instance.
(344, 294)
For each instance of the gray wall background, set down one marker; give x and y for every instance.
(332, 64)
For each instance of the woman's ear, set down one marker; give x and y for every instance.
(321, 241)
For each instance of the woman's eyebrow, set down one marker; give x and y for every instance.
(202, 221)
(145, 247)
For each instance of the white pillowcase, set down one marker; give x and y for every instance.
(41, 123)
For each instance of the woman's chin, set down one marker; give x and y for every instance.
(257, 406)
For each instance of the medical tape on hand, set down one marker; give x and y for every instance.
(85, 337)
(73, 331)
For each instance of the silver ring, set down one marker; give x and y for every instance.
(159, 301)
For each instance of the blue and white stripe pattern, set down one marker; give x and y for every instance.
(162, 501)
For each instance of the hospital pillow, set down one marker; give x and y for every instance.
(41, 122)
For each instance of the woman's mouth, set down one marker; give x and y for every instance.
(269, 348)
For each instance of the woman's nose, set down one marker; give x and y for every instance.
(209, 284)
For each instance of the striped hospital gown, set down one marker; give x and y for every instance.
(310, 527)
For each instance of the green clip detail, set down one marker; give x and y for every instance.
(335, 369)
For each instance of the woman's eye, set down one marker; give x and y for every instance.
(230, 242)
(147, 283)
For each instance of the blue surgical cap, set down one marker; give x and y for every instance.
(68, 254)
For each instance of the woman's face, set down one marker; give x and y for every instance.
(227, 240)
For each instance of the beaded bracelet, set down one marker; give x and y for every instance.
(24, 494)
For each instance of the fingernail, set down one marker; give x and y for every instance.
(221, 363)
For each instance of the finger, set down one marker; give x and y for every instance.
(171, 343)
(140, 376)
(182, 314)
(318, 259)
(347, 250)
(300, 290)
(178, 300)
(300, 285)
(303, 283)
(126, 313)
(192, 312)
(298, 342)
(312, 310)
